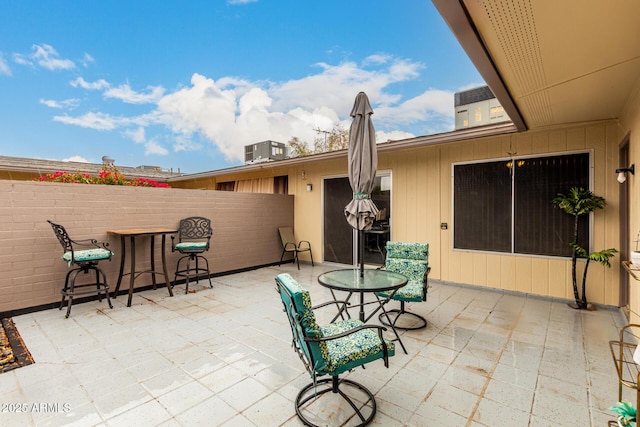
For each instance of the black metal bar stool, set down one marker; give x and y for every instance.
(85, 260)
(194, 238)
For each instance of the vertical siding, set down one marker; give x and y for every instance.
(630, 124)
(537, 275)
(422, 200)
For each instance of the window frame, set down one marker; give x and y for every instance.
(514, 159)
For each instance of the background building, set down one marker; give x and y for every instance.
(265, 151)
(477, 107)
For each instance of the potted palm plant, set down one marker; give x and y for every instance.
(580, 202)
(626, 414)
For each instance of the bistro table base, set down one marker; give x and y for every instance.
(133, 274)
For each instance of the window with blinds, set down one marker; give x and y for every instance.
(275, 185)
(505, 206)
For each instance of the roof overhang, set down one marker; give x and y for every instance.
(405, 144)
(552, 63)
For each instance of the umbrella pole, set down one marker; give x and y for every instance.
(361, 248)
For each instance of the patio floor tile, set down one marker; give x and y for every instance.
(223, 357)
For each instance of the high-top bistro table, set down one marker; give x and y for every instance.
(349, 280)
(132, 233)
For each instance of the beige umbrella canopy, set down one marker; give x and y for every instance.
(363, 162)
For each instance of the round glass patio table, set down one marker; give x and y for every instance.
(349, 280)
(372, 281)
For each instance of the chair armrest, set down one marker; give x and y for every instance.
(349, 332)
(89, 242)
(286, 245)
(304, 241)
(324, 304)
(425, 285)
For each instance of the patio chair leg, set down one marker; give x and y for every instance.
(206, 262)
(187, 272)
(420, 322)
(98, 285)
(70, 295)
(65, 289)
(105, 287)
(186, 289)
(336, 385)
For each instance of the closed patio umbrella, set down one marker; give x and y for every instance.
(363, 162)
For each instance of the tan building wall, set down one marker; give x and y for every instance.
(630, 125)
(422, 200)
(244, 231)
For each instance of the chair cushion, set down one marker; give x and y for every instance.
(87, 255)
(302, 302)
(413, 291)
(412, 261)
(353, 350)
(333, 357)
(185, 246)
(417, 251)
(410, 268)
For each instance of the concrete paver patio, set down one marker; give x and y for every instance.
(223, 356)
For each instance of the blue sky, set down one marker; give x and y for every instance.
(186, 85)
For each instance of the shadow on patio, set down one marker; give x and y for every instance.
(223, 356)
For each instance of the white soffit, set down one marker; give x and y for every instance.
(562, 61)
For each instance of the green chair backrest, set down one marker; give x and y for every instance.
(409, 259)
(297, 303)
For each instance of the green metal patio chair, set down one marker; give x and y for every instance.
(331, 350)
(412, 261)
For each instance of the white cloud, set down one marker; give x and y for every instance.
(152, 147)
(185, 143)
(87, 59)
(231, 119)
(432, 104)
(126, 94)
(230, 113)
(136, 135)
(4, 66)
(65, 104)
(78, 159)
(98, 121)
(337, 86)
(379, 58)
(47, 57)
(21, 59)
(241, 1)
(97, 85)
